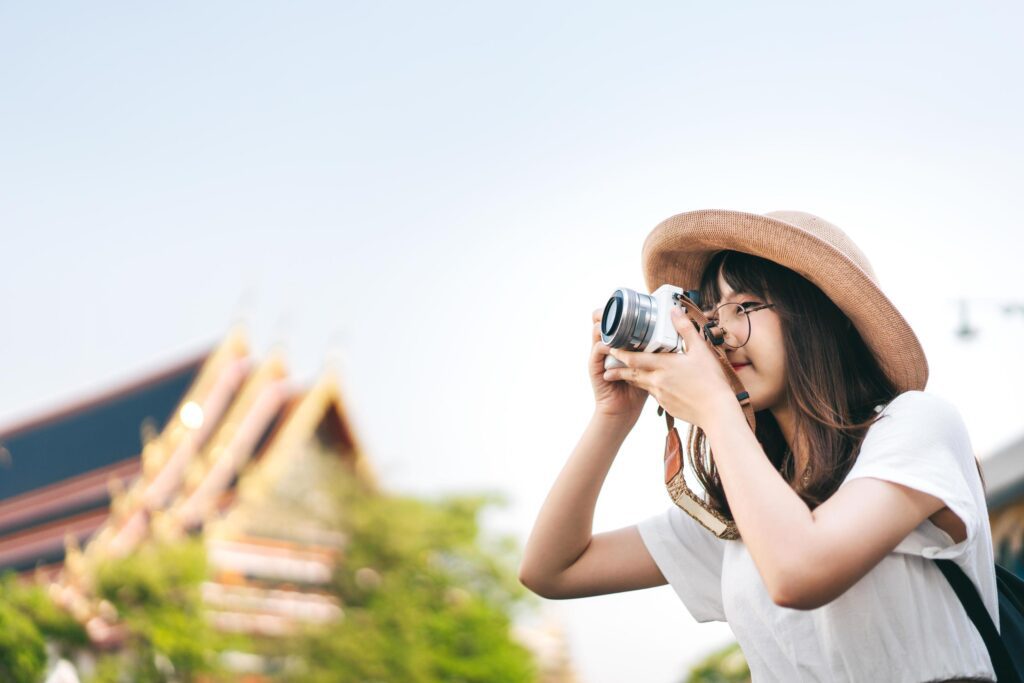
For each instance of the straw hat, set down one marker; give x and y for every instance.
(680, 247)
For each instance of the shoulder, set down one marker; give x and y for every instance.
(914, 400)
(920, 409)
(921, 421)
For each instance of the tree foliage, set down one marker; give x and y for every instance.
(425, 598)
(156, 591)
(727, 665)
(29, 619)
(22, 650)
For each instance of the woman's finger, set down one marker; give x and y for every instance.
(632, 375)
(639, 359)
(685, 327)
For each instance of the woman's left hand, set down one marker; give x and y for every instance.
(690, 386)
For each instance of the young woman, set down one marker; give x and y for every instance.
(853, 480)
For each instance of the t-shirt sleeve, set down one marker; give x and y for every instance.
(921, 442)
(690, 557)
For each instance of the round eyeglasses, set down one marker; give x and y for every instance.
(735, 321)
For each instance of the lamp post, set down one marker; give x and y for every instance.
(966, 331)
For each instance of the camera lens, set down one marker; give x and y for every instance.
(628, 320)
(612, 314)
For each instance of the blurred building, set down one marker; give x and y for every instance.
(61, 470)
(220, 443)
(1004, 483)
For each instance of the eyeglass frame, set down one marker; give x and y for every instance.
(746, 312)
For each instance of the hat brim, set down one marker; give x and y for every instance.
(679, 248)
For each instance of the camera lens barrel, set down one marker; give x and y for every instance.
(628, 320)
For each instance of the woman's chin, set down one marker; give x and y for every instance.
(755, 396)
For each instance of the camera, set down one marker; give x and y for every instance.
(643, 322)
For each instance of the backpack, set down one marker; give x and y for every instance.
(1006, 646)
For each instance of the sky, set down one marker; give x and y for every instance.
(433, 198)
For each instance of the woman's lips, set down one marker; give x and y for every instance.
(741, 365)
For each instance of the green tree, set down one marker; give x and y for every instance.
(425, 596)
(22, 649)
(425, 599)
(727, 665)
(29, 619)
(156, 591)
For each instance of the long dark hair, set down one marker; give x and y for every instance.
(833, 381)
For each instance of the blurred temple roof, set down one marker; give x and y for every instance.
(100, 431)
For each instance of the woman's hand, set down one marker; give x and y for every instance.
(613, 399)
(691, 386)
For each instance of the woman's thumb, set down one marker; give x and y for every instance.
(685, 327)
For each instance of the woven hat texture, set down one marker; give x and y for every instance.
(680, 247)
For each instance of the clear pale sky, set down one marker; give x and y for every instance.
(438, 195)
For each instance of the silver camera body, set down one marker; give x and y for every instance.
(642, 322)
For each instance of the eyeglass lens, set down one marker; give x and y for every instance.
(733, 320)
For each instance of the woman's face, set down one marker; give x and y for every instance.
(764, 372)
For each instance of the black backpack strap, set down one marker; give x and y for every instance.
(965, 589)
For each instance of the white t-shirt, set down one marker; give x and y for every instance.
(902, 622)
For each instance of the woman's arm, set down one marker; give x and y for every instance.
(561, 558)
(808, 559)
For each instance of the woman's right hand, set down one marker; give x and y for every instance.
(617, 399)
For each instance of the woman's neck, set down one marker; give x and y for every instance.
(786, 420)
